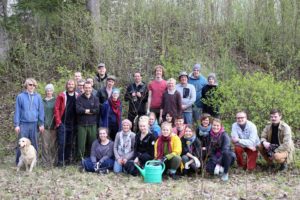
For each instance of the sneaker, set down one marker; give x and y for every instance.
(225, 177)
(283, 167)
(103, 171)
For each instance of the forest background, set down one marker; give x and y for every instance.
(252, 46)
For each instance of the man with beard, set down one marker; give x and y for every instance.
(65, 118)
(101, 77)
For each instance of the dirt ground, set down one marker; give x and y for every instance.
(69, 183)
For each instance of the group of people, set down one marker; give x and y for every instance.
(84, 123)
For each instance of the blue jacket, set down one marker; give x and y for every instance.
(199, 83)
(29, 109)
(155, 129)
(108, 116)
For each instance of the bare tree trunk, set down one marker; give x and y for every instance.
(93, 7)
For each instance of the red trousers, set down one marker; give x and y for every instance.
(248, 163)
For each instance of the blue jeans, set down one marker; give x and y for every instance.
(89, 165)
(188, 117)
(30, 131)
(117, 167)
(196, 114)
(65, 134)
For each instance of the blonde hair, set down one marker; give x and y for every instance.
(166, 124)
(171, 79)
(29, 81)
(144, 120)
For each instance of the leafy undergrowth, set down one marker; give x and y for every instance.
(69, 183)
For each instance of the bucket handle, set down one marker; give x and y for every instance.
(157, 162)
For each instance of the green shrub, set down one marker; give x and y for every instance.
(257, 94)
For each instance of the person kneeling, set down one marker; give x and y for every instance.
(101, 159)
(168, 149)
(191, 150)
(221, 157)
(276, 141)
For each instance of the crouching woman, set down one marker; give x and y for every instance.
(168, 149)
(191, 150)
(221, 157)
(101, 159)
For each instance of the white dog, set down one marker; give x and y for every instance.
(28, 154)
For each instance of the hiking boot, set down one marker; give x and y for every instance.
(283, 167)
(174, 176)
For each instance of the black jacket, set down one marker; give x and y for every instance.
(83, 103)
(137, 106)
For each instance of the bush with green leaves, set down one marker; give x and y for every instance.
(257, 94)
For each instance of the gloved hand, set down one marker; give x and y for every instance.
(169, 156)
(197, 162)
(187, 165)
(97, 166)
(266, 144)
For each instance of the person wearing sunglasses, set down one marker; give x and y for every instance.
(29, 114)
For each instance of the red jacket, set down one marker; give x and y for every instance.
(59, 107)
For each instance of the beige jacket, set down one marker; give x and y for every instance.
(285, 139)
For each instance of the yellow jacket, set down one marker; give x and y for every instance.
(175, 145)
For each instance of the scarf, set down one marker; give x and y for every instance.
(189, 142)
(125, 142)
(204, 131)
(161, 144)
(215, 140)
(115, 106)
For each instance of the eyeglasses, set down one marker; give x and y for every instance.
(240, 117)
(30, 84)
(80, 85)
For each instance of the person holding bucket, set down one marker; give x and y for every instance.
(143, 147)
(168, 149)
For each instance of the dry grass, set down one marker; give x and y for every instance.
(69, 183)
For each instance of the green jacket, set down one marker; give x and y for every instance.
(49, 109)
(285, 139)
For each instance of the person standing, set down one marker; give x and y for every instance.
(171, 101)
(207, 95)
(29, 114)
(48, 138)
(87, 109)
(276, 141)
(199, 81)
(137, 95)
(111, 114)
(245, 139)
(101, 77)
(65, 122)
(188, 97)
(105, 92)
(156, 88)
